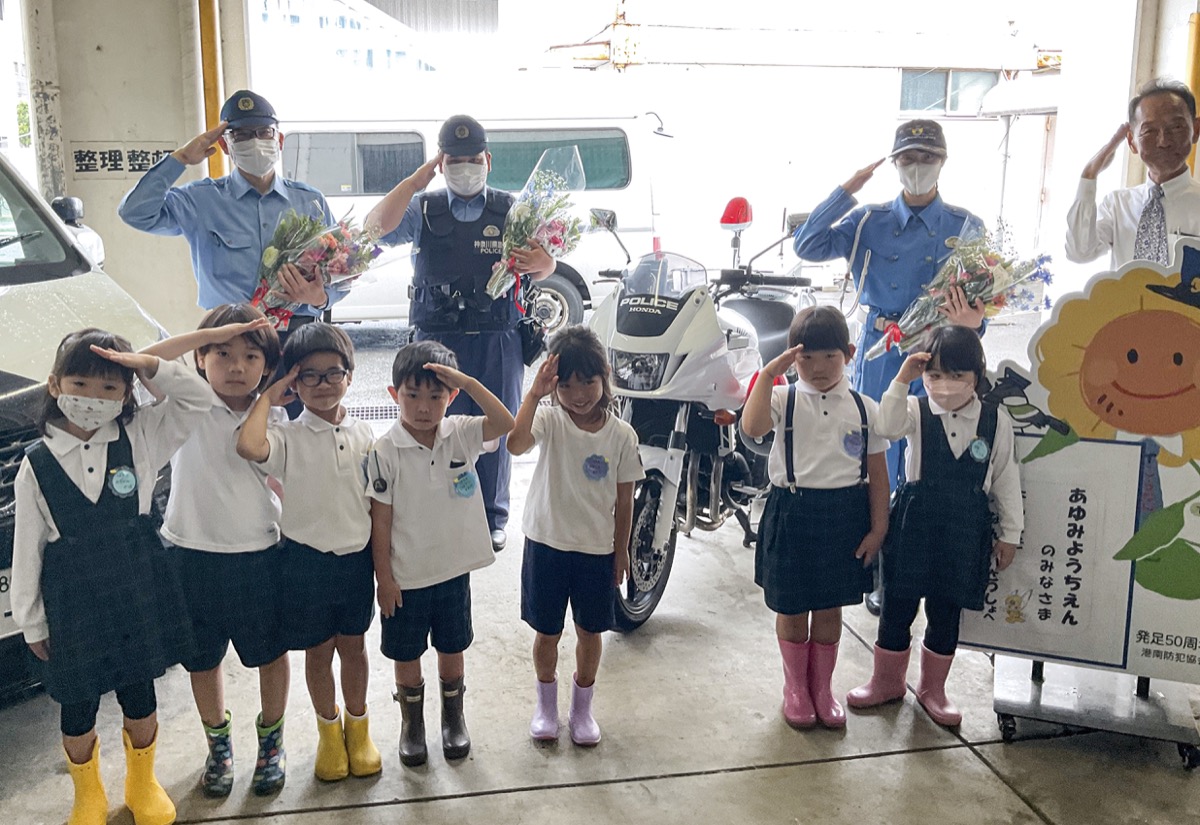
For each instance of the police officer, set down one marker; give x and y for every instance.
(456, 235)
(229, 221)
(905, 243)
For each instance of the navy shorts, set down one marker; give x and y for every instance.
(232, 597)
(440, 613)
(324, 595)
(551, 578)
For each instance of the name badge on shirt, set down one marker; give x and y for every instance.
(595, 467)
(979, 450)
(122, 481)
(852, 443)
(462, 485)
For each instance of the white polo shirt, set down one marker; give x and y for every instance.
(573, 495)
(826, 437)
(220, 502)
(439, 526)
(155, 432)
(322, 468)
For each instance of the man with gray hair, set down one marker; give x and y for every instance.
(1142, 222)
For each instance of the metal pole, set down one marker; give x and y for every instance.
(1193, 70)
(210, 61)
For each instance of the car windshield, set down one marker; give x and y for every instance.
(664, 274)
(31, 249)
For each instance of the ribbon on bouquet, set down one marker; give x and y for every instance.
(280, 318)
(892, 334)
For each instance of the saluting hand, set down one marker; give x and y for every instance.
(203, 145)
(859, 179)
(283, 392)
(546, 379)
(146, 366)
(1101, 160)
(449, 376)
(780, 364)
(912, 367)
(228, 332)
(427, 170)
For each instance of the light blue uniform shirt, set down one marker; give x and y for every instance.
(227, 224)
(409, 230)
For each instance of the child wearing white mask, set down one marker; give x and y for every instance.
(960, 469)
(92, 589)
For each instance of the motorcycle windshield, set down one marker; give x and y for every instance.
(663, 275)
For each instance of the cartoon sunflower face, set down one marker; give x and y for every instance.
(1140, 373)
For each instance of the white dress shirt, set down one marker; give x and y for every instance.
(900, 416)
(1112, 227)
(155, 433)
(322, 468)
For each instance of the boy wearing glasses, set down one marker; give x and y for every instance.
(229, 221)
(326, 586)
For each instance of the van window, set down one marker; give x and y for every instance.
(349, 163)
(604, 152)
(30, 248)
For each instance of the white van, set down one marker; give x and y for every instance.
(356, 163)
(48, 288)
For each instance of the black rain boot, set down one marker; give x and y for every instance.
(456, 742)
(412, 725)
(875, 597)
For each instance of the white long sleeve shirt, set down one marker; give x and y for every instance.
(1112, 226)
(155, 433)
(900, 417)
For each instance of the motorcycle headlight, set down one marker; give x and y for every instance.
(637, 371)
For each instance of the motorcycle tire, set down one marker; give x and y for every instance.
(648, 571)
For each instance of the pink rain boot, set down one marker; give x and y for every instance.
(544, 726)
(931, 689)
(797, 704)
(887, 680)
(821, 661)
(584, 730)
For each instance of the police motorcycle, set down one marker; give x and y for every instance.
(683, 350)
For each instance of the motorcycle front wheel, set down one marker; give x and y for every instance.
(648, 569)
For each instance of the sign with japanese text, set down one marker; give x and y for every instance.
(114, 159)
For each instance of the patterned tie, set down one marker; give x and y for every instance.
(1151, 241)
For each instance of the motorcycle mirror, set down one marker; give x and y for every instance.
(796, 219)
(605, 218)
(738, 215)
(70, 210)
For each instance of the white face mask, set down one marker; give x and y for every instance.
(465, 179)
(948, 393)
(255, 157)
(88, 413)
(919, 178)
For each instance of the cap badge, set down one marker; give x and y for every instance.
(491, 231)
(917, 130)
(245, 104)
(461, 131)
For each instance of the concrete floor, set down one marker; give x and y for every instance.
(689, 706)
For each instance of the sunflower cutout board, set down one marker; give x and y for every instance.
(1108, 435)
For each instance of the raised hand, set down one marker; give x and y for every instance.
(913, 366)
(859, 179)
(283, 392)
(230, 331)
(546, 378)
(426, 171)
(203, 145)
(140, 362)
(1101, 160)
(449, 376)
(780, 364)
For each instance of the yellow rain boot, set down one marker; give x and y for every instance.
(332, 762)
(144, 796)
(364, 756)
(91, 805)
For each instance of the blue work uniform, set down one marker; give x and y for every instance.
(227, 224)
(907, 248)
(456, 242)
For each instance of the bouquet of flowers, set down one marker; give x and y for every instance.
(984, 274)
(335, 255)
(542, 213)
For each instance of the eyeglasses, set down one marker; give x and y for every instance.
(333, 377)
(241, 135)
(908, 158)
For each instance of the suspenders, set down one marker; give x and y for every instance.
(788, 441)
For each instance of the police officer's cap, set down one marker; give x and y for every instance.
(920, 134)
(247, 110)
(462, 136)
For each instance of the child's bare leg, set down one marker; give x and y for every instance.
(408, 674)
(450, 666)
(79, 748)
(588, 647)
(545, 656)
(208, 691)
(142, 731)
(352, 653)
(318, 675)
(827, 626)
(273, 682)
(792, 627)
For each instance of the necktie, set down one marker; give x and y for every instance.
(1151, 241)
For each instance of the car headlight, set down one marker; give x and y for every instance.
(637, 371)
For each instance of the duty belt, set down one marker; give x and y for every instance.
(882, 322)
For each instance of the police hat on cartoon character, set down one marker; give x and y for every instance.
(246, 110)
(1187, 291)
(926, 135)
(462, 136)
